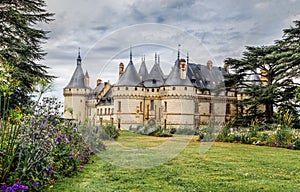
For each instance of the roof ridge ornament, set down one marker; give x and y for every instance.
(178, 54)
(78, 58)
(187, 57)
(158, 59)
(130, 54)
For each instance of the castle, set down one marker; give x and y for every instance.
(189, 96)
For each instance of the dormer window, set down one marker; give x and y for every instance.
(154, 81)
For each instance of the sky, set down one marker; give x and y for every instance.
(204, 29)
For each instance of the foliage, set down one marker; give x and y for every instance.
(278, 64)
(38, 146)
(184, 131)
(281, 134)
(20, 46)
(153, 130)
(111, 131)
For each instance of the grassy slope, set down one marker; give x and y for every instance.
(225, 167)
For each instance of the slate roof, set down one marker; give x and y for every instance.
(96, 91)
(143, 72)
(202, 77)
(174, 77)
(155, 77)
(77, 80)
(199, 76)
(130, 76)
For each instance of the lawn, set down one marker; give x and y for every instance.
(224, 167)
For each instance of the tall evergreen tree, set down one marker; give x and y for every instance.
(20, 47)
(273, 70)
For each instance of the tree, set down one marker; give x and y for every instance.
(267, 75)
(20, 46)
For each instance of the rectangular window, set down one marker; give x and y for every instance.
(152, 105)
(108, 111)
(141, 106)
(228, 108)
(211, 108)
(196, 108)
(105, 111)
(166, 106)
(100, 111)
(119, 106)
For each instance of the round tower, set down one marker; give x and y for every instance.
(128, 97)
(76, 94)
(178, 98)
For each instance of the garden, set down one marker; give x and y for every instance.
(38, 147)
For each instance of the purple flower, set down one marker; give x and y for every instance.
(275, 144)
(49, 170)
(58, 139)
(81, 167)
(1, 153)
(3, 187)
(35, 184)
(71, 156)
(67, 140)
(18, 186)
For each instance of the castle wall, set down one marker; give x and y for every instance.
(127, 107)
(178, 106)
(75, 103)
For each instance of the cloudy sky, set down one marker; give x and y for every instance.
(207, 29)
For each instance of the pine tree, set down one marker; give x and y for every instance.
(20, 47)
(273, 70)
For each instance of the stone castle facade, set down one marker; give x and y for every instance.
(189, 96)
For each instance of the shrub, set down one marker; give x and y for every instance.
(186, 131)
(297, 144)
(111, 131)
(41, 145)
(153, 130)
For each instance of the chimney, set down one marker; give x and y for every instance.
(209, 64)
(121, 69)
(182, 69)
(99, 81)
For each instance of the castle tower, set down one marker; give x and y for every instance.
(76, 94)
(128, 97)
(177, 98)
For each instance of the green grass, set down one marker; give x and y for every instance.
(224, 167)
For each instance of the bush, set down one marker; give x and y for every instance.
(297, 144)
(186, 131)
(39, 146)
(111, 131)
(153, 130)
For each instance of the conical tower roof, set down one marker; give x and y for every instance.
(174, 77)
(143, 72)
(77, 80)
(155, 77)
(130, 76)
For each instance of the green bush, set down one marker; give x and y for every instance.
(297, 144)
(42, 147)
(111, 131)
